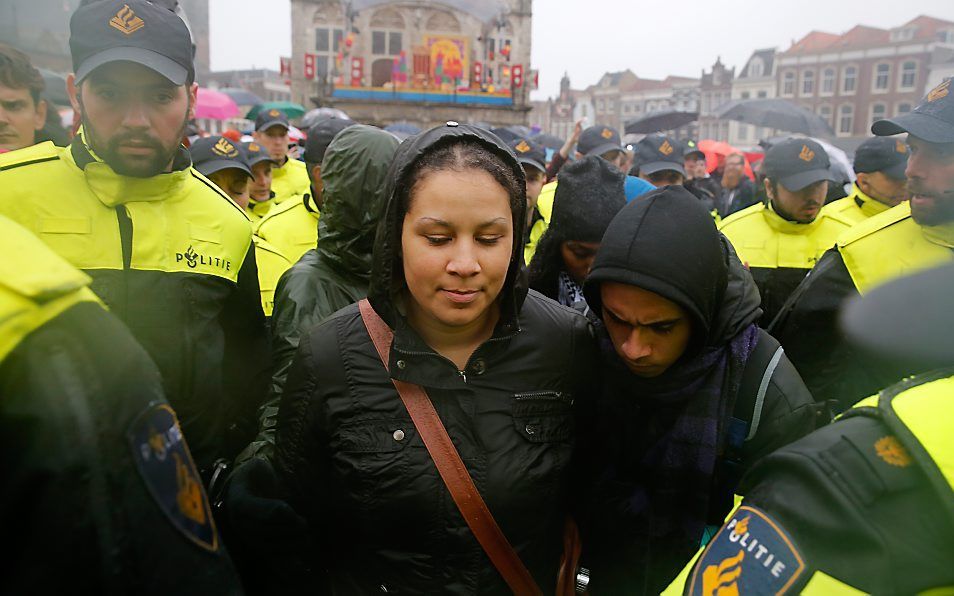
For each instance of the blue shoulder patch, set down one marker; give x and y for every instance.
(164, 461)
(751, 554)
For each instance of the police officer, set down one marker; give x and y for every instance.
(289, 177)
(865, 504)
(226, 165)
(260, 188)
(168, 252)
(879, 166)
(292, 227)
(100, 494)
(532, 156)
(914, 235)
(780, 240)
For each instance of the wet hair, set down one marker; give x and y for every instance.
(458, 155)
(16, 72)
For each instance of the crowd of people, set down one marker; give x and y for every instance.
(449, 364)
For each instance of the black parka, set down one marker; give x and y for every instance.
(375, 504)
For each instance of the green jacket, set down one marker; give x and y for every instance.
(337, 272)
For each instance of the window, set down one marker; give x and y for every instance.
(756, 67)
(626, 108)
(879, 111)
(808, 82)
(394, 43)
(828, 81)
(327, 42)
(762, 94)
(881, 75)
(846, 120)
(849, 80)
(378, 41)
(904, 108)
(599, 105)
(788, 83)
(386, 43)
(909, 71)
(743, 132)
(825, 112)
(745, 95)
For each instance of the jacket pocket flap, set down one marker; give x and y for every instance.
(544, 416)
(65, 225)
(205, 234)
(376, 436)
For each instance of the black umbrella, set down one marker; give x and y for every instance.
(549, 141)
(509, 134)
(668, 120)
(242, 97)
(777, 113)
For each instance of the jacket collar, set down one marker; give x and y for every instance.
(868, 205)
(784, 226)
(113, 189)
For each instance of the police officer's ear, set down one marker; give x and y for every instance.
(193, 91)
(74, 91)
(39, 116)
(769, 188)
(863, 182)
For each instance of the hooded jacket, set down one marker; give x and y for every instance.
(355, 466)
(172, 258)
(635, 415)
(337, 272)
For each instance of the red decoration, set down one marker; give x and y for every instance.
(357, 71)
(477, 71)
(285, 66)
(309, 66)
(517, 75)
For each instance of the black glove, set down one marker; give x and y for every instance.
(259, 515)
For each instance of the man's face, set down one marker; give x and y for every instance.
(665, 178)
(734, 170)
(20, 117)
(133, 117)
(233, 182)
(930, 175)
(694, 166)
(615, 157)
(535, 180)
(275, 140)
(801, 206)
(260, 187)
(882, 188)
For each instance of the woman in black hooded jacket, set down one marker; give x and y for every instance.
(693, 391)
(505, 369)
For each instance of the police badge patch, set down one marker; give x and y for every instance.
(751, 554)
(166, 466)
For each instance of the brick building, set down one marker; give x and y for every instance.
(863, 75)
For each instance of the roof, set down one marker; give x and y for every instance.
(927, 28)
(813, 42)
(485, 10)
(767, 55)
(860, 36)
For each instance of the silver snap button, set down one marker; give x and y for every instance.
(452, 123)
(398, 435)
(531, 429)
(401, 364)
(479, 367)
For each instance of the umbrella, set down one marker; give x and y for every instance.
(295, 134)
(667, 120)
(55, 87)
(509, 134)
(241, 96)
(402, 129)
(214, 105)
(318, 114)
(549, 141)
(291, 109)
(714, 150)
(776, 113)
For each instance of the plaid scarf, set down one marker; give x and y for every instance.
(569, 292)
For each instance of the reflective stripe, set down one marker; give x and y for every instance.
(822, 584)
(928, 412)
(763, 389)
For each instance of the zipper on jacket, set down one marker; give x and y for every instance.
(462, 375)
(125, 234)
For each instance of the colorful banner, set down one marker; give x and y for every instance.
(448, 59)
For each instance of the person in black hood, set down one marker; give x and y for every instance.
(693, 391)
(506, 370)
(590, 193)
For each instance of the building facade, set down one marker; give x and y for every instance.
(420, 61)
(864, 75)
(755, 81)
(715, 90)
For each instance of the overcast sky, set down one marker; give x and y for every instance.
(654, 38)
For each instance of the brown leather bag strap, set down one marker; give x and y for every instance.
(451, 468)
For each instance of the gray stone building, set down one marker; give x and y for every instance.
(420, 61)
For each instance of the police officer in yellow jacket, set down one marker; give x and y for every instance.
(780, 240)
(100, 494)
(865, 505)
(292, 226)
(879, 166)
(168, 252)
(912, 236)
(260, 188)
(289, 177)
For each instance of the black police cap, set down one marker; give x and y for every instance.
(599, 139)
(530, 153)
(269, 118)
(255, 154)
(881, 154)
(213, 154)
(931, 120)
(656, 153)
(131, 31)
(320, 136)
(796, 163)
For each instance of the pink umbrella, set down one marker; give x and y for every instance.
(214, 105)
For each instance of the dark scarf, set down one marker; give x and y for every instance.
(663, 476)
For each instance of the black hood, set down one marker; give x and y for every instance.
(386, 280)
(667, 243)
